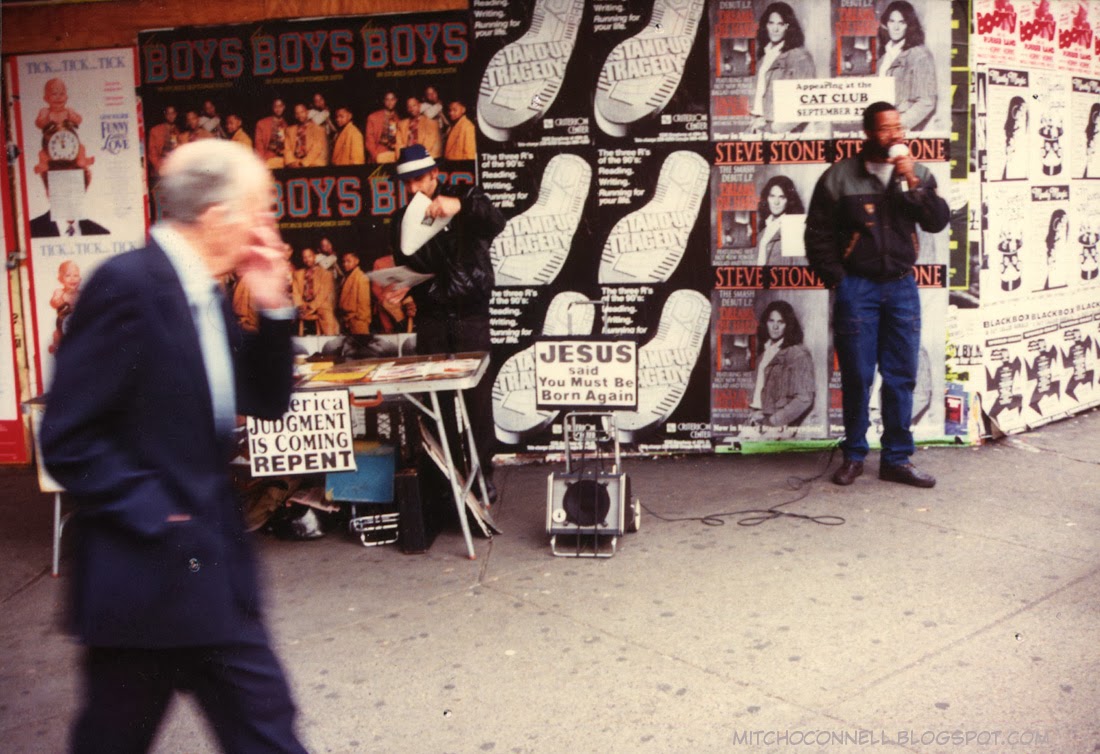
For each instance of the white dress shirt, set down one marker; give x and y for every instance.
(204, 295)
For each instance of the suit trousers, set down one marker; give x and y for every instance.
(240, 688)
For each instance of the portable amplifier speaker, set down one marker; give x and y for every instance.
(586, 502)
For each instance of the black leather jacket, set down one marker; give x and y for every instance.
(855, 224)
(458, 256)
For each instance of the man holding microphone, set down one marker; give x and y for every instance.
(861, 238)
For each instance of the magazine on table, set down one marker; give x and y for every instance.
(362, 372)
(401, 276)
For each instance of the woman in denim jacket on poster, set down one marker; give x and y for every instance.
(781, 54)
(784, 392)
(904, 57)
(778, 199)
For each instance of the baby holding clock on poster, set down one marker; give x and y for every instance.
(61, 147)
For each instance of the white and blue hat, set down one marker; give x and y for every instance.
(414, 161)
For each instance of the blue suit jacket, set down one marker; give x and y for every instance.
(129, 431)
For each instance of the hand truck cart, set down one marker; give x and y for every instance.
(589, 505)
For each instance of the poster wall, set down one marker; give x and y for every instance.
(1036, 103)
(775, 75)
(589, 146)
(654, 162)
(79, 130)
(786, 104)
(593, 140)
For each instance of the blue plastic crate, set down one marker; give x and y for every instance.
(372, 483)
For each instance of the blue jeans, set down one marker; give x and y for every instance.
(877, 324)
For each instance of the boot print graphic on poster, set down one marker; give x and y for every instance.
(524, 78)
(665, 363)
(642, 73)
(514, 396)
(534, 244)
(646, 246)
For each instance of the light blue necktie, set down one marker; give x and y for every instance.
(210, 322)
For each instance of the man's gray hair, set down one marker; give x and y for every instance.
(202, 174)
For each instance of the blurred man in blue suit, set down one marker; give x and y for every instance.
(139, 429)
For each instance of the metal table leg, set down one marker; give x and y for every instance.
(476, 474)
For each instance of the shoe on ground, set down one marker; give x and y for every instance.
(906, 473)
(847, 473)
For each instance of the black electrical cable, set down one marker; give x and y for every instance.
(757, 516)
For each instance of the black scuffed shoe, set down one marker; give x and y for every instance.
(847, 473)
(906, 473)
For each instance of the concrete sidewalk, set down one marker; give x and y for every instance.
(965, 618)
